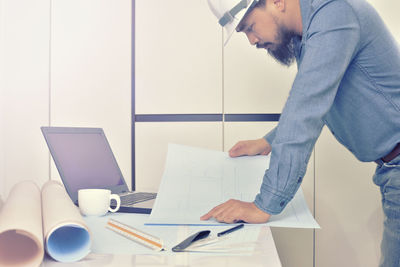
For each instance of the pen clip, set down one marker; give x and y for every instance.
(190, 240)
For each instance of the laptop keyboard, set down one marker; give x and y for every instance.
(137, 197)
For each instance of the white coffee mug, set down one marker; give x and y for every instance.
(96, 202)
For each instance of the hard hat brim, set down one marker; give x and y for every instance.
(230, 28)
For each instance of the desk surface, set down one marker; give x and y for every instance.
(264, 255)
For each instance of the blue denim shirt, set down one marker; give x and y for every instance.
(348, 79)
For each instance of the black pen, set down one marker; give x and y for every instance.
(230, 230)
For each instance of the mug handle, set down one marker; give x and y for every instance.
(116, 198)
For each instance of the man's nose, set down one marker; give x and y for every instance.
(252, 38)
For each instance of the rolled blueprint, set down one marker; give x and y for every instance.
(66, 235)
(32, 221)
(21, 237)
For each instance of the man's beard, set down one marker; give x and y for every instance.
(283, 51)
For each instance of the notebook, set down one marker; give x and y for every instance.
(84, 159)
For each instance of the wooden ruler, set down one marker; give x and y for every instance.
(136, 235)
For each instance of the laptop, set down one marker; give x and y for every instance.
(84, 159)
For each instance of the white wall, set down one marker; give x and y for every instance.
(348, 207)
(64, 63)
(2, 152)
(25, 86)
(91, 71)
(178, 58)
(67, 63)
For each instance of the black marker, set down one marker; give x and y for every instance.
(230, 230)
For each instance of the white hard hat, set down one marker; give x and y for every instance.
(230, 13)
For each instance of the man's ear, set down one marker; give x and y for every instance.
(280, 5)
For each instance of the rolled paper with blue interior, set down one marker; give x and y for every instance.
(67, 238)
(21, 236)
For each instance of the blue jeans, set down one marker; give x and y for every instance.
(387, 177)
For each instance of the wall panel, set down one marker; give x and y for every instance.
(91, 71)
(178, 58)
(25, 90)
(152, 140)
(348, 207)
(2, 92)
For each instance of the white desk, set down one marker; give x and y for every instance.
(264, 255)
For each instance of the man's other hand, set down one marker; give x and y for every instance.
(250, 148)
(234, 211)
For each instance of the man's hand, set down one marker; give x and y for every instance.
(233, 211)
(250, 148)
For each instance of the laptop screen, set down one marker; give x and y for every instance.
(83, 158)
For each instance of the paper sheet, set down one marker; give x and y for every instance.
(21, 235)
(196, 180)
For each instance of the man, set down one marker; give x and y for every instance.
(348, 79)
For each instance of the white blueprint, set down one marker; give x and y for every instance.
(196, 180)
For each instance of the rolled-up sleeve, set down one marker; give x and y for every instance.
(269, 137)
(329, 43)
